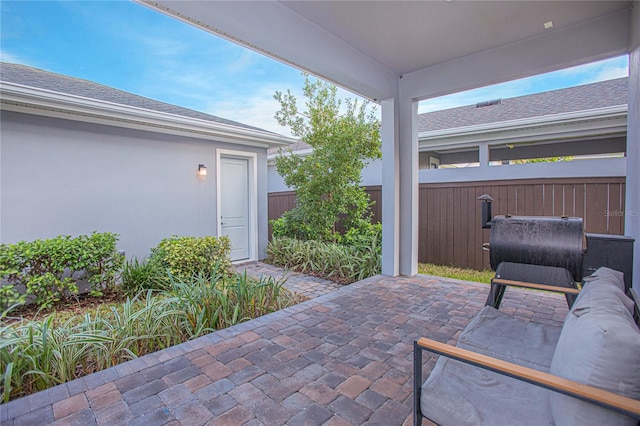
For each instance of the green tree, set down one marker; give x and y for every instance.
(327, 181)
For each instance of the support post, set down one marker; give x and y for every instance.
(632, 199)
(408, 168)
(390, 188)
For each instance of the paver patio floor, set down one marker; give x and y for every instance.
(338, 359)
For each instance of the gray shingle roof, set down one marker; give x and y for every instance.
(578, 98)
(41, 79)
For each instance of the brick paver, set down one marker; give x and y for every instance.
(296, 282)
(341, 358)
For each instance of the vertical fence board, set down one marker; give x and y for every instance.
(614, 210)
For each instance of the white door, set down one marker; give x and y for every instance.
(234, 205)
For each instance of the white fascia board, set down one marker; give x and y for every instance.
(272, 29)
(20, 98)
(598, 121)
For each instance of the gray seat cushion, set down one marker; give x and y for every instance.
(512, 339)
(460, 394)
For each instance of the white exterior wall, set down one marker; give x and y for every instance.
(67, 177)
(371, 175)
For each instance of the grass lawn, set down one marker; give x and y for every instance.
(457, 273)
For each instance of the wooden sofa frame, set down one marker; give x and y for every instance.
(591, 394)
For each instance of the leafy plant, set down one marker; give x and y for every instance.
(327, 181)
(186, 257)
(50, 269)
(35, 355)
(338, 262)
(139, 276)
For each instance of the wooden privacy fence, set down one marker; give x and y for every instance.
(449, 231)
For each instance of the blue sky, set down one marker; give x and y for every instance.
(133, 48)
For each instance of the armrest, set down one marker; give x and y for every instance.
(572, 388)
(566, 290)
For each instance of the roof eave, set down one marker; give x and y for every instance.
(607, 120)
(16, 97)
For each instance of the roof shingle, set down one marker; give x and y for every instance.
(41, 79)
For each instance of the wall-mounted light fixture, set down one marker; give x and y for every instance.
(202, 170)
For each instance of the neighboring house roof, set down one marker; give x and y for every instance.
(592, 96)
(34, 77)
(294, 147)
(34, 91)
(578, 98)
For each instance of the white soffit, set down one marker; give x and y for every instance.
(365, 46)
(406, 36)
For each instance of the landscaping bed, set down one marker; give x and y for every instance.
(186, 289)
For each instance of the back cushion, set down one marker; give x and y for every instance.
(609, 285)
(599, 346)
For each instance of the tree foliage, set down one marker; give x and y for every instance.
(327, 181)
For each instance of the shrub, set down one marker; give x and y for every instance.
(49, 269)
(366, 235)
(186, 257)
(344, 137)
(138, 276)
(338, 262)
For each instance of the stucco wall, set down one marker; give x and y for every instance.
(65, 177)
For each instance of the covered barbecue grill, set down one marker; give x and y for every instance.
(544, 252)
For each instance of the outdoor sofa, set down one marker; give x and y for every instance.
(509, 371)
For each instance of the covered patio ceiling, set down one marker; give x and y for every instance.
(366, 46)
(400, 52)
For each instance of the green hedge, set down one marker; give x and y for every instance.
(186, 257)
(47, 268)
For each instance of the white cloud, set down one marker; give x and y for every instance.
(16, 59)
(611, 73)
(256, 110)
(597, 71)
(242, 62)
